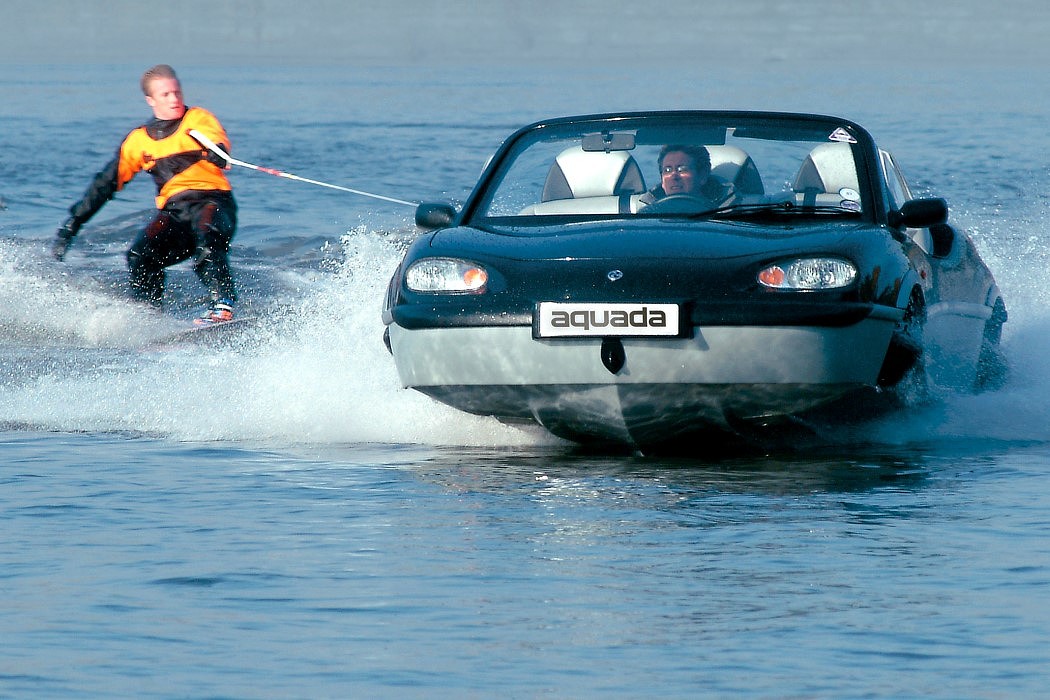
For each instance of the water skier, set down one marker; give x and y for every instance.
(196, 212)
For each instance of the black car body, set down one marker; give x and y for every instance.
(570, 293)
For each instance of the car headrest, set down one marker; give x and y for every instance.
(579, 173)
(828, 168)
(734, 166)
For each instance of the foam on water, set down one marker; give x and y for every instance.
(42, 308)
(316, 371)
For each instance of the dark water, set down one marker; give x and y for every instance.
(149, 566)
(277, 518)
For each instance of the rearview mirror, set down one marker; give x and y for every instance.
(608, 141)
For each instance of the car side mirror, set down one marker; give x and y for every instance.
(920, 213)
(435, 215)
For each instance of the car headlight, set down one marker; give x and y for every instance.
(446, 275)
(809, 274)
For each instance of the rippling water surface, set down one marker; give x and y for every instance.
(277, 518)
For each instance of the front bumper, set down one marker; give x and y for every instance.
(663, 388)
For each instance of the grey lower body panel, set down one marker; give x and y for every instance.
(664, 389)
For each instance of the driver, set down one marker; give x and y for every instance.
(686, 170)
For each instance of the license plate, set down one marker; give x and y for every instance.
(555, 319)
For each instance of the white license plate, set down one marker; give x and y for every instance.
(555, 319)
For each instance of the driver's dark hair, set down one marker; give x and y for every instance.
(700, 156)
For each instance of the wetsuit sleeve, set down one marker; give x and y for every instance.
(216, 159)
(118, 172)
(102, 188)
(100, 191)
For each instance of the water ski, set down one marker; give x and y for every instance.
(207, 334)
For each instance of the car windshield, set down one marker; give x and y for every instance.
(690, 165)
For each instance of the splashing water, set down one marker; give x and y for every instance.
(316, 371)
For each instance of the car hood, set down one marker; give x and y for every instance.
(709, 266)
(694, 240)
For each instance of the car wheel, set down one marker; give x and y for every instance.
(991, 365)
(905, 353)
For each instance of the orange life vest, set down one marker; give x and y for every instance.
(176, 162)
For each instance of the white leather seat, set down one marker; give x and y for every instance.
(828, 173)
(590, 182)
(578, 173)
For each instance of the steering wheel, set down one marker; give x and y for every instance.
(678, 204)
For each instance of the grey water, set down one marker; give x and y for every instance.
(276, 517)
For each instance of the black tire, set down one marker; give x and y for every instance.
(992, 369)
(905, 355)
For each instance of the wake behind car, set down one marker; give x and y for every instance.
(664, 279)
